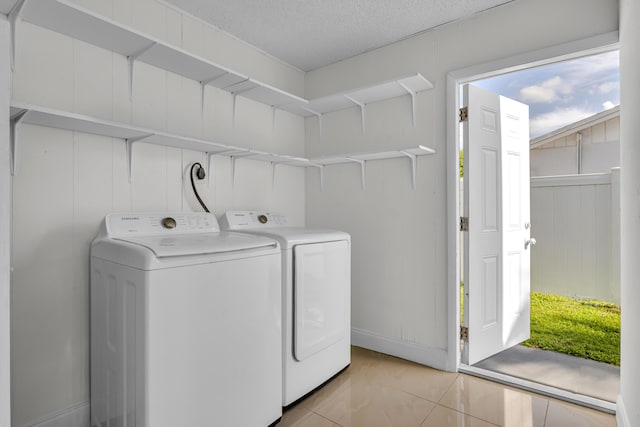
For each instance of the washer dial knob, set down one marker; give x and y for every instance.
(263, 219)
(169, 222)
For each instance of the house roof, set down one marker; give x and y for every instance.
(574, 127)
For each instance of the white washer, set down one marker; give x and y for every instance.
(316, 298)
(185, 324)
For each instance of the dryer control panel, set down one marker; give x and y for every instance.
(245, 220)
(147, 224)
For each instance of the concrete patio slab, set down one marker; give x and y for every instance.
(574, 374)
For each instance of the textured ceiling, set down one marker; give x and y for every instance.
(309, 34)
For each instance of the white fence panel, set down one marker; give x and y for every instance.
(575, 220)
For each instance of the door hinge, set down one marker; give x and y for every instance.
(463, 114)
(464, 333)
(464, 223)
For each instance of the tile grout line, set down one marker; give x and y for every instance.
(435, 405)
(449, 388)
(418, 396)
(546, 412)
(469, 415)
(459, 411)
(322, 416)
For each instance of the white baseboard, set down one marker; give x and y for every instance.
(75, 416)
(433, 357)
(621, 413)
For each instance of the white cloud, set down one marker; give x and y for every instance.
(546, 92)
(553, 120)
(607, 105)
(538, 94)
(590, 67)
(607, 87)
(592, 74)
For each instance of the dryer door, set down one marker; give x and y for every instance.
(321, 296)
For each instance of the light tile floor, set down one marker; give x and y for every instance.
(380, 390)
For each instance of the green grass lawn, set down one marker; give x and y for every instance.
(583, 328)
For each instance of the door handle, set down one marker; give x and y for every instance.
(528, 242)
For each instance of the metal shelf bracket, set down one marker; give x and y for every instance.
(361, 105)
(273, 174)
(414, 166)
(203, 85)
(233, 171)
(233, 105)
(318, 115)
(13, 16)
(233, 110)
(209, 168)
(413, 102)
(363, 165)
(273, 117)
(321, 170)
(129, 145)
(131, 59)
(13, 125)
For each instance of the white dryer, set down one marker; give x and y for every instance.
(185, 324)
(316, 298)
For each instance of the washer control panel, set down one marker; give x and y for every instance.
(146, 224)
(239, 220)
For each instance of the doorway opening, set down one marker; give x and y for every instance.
(521, 370)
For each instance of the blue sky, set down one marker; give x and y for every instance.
(562, 93)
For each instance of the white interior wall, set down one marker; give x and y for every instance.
(164, 21)
(5, 225)
(629, 401)
(409, 223)
(67, 182)
(399, 271)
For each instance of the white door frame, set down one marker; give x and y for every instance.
(5, 229)
(593, 45)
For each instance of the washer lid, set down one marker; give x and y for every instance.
(276, 226)
(199, 244)
(288, 237)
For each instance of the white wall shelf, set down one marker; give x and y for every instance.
(409, 85)
(72, 20)
(362, 159)
(29, 114)
(35, 115)
(67, 18)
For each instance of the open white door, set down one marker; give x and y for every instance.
(497, 244)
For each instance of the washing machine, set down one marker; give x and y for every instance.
(316, 298)
(185, 324)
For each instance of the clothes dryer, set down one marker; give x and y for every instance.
(185, 324)
(316, 298)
